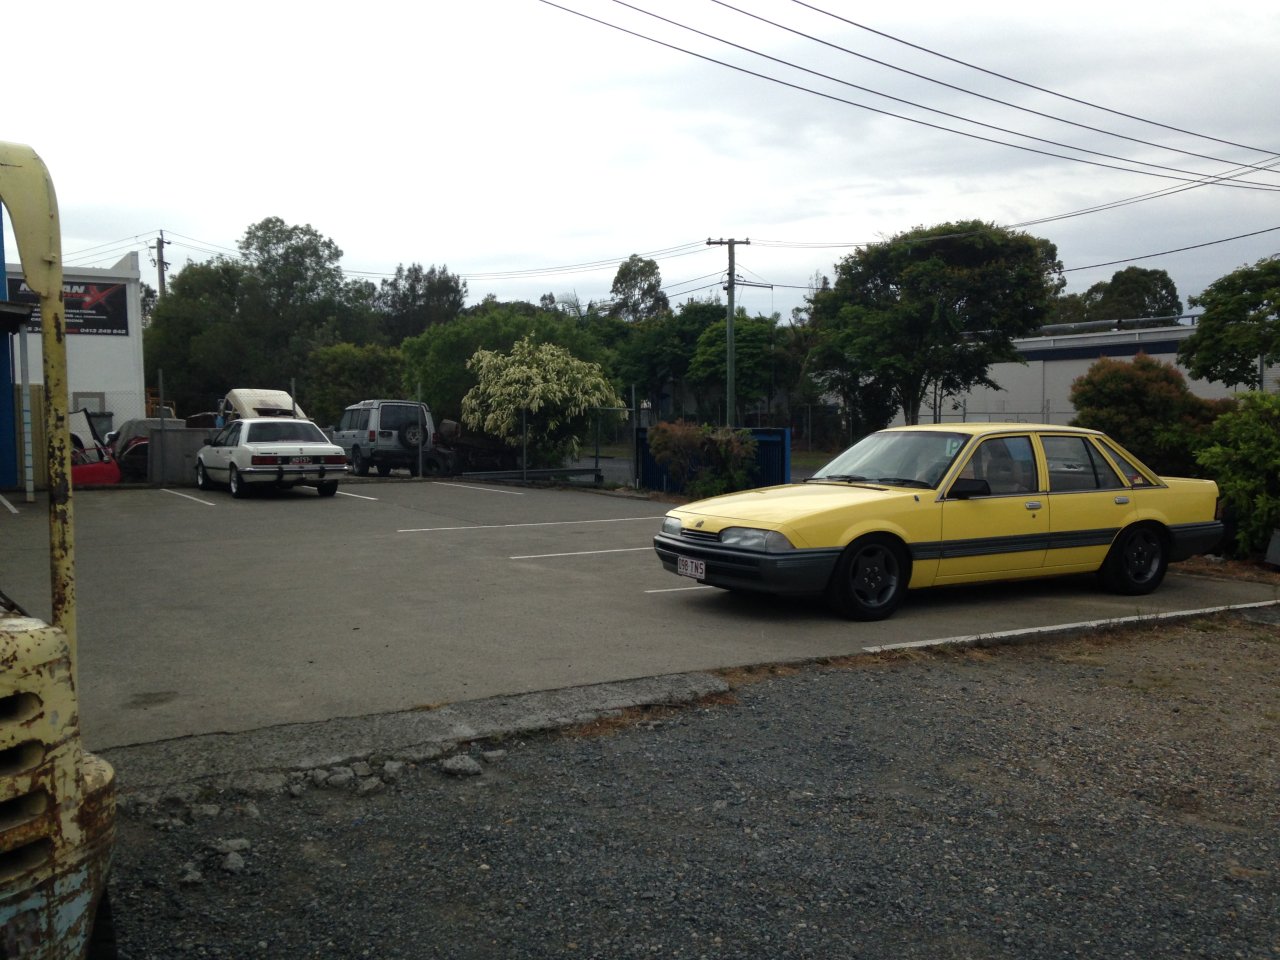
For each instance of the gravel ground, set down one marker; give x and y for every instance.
(1116, 795)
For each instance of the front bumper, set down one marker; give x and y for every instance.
(796, 572)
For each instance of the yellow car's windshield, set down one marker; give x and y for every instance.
(896, 458)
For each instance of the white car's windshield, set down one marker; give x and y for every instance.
(302, 431)
(896, 458)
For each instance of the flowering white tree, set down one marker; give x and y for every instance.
(541, 385)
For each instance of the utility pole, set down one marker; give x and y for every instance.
(729, 372)
(160, 261)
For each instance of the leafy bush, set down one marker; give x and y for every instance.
(539, 385)
(1244, 457)
(704, 461)
(1147, 407)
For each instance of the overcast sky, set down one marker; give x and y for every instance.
(507, 137)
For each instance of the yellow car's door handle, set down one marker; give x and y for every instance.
(1122, 500)
(1033, 505)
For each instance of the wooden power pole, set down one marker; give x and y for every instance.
(730, 377)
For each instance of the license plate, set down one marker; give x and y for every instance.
(687, 567)
(299, 459)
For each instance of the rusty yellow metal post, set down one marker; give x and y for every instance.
(27, 193)
(57, 802)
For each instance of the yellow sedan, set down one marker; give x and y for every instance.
(914, 507)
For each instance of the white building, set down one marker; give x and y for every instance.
(103, 319)
(1040, 390)
(104, 338)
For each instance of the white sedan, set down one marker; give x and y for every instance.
(279, 451)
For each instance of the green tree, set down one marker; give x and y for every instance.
(1068, 308)
(655, 352)
(193, 337)
(253, 322)
(1135, 293)
(1242, 457)
(1147, 407)
(1239, 329)
(928, 312)
(291, 267)
(540, 385)
(416, 299)
(637, 290)
(755, 361)
(344, 373)
(436, 359)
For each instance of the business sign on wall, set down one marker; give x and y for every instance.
(89, 307)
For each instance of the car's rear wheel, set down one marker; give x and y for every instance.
(1137, 560)
(870, 579)
(359, 465)
(202, 478)
(236, 483)
(327, 488)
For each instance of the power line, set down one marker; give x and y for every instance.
(1023, 83)
(1165, 253)
(958, 89)
(1193, 177)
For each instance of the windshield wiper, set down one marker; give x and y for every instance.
(903, 482)
(851, 477)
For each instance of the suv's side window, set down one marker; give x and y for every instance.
(348, 420)
(361, 420)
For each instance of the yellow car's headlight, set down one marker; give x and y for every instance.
(749, 538)
(671, 526)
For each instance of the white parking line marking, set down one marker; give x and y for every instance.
(467, 486)
(343, 493)
(187, 496)
(679, 589)
(507, 526)
(578, 553)
(8, 506)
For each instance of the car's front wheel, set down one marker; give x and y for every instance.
(236, 483)
(870, 579)
(202, 477)
(1137, 561)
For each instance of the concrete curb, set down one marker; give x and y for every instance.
(1006, 636)
(413, 735)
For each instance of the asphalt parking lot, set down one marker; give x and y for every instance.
(198, 613)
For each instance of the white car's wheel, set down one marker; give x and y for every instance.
(237, 484)
(202, 478)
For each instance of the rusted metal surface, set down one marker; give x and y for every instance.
(57, 804)
(28, 194)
